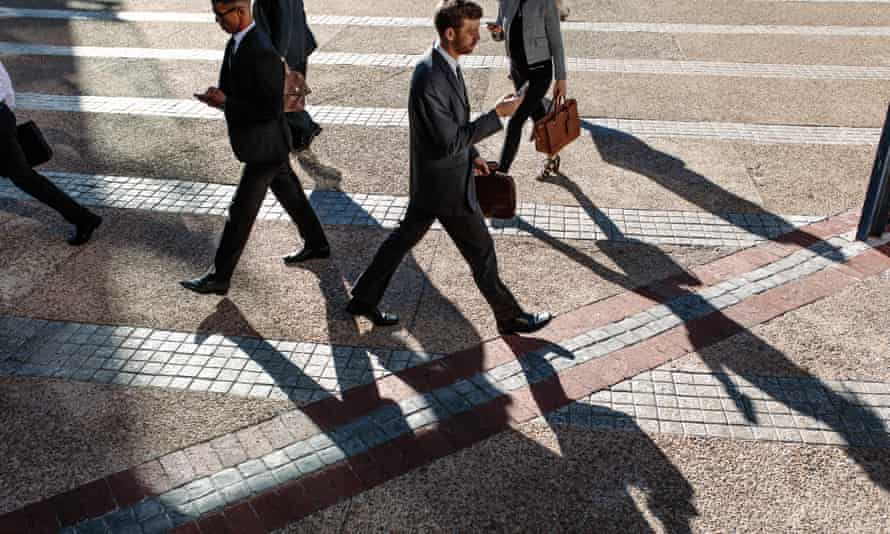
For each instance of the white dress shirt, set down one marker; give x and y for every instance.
(7, 94)
(453, 63)
(238, 37)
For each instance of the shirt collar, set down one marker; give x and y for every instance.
(238, 37)
(453, 63)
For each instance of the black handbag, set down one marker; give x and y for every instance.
(37, 150)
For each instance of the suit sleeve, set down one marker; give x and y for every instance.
(272, 16)
(554, 38)
(267, 99)
(443, 130)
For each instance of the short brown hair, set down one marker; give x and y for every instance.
(452, 13)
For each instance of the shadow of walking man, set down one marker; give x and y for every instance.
(856, 423)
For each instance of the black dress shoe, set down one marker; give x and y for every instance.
(205, 286)
(378, 317)
(308, 253)
(525, 323)
(84, 231)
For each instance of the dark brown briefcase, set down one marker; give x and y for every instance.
(34, 145)
(295, 90)
(559, 127)
(496, 193)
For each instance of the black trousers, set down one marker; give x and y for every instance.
(473, 240)
(540, 77)
(14, 166)
(256, 179)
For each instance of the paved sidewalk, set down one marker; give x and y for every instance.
(717, 357)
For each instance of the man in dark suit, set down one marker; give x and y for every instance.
(14, 166)
(251, 93)
(442, 184)
(284, 21)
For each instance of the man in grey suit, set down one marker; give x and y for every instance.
(442, 184)
(251, 93)
(284, 21)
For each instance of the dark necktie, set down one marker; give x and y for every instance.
(463, 85)
(230, 51)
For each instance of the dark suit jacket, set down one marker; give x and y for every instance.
(284, 21)
(254, 88)
(442, 138)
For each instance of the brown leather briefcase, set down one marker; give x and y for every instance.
(295, 90)
(496, 193)
(559, 127)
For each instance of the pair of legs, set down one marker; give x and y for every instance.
(14, 166)
(473, 240)
(540, 79)
(256, 179)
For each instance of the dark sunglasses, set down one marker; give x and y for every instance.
(220, 16)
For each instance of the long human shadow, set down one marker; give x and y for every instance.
(535, 368)
(706, 325)
(669, 496)
(627, 151)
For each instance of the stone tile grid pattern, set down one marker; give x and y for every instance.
(300, 371)
(391, 117)
(333, 207)
(424, 22)
(620, 66)
(291, 461)
(305, 372)
(724, 405)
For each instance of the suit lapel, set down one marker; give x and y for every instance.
(443, 65)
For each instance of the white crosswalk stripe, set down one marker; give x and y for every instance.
(619, 66)
(424, 22)
(397, 117)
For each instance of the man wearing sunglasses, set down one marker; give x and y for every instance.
(251, 94)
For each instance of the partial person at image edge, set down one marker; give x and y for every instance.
(15, 166)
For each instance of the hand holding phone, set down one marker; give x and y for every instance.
(497, 33)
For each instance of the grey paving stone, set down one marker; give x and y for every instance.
(262, 482)
(147, 509)
(309, 464)
(226, 478)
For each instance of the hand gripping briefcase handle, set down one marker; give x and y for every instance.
(496, 193)
(34, 145)
(559, 127)
(295, 90)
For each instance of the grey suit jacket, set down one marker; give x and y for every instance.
(253, 81)
(541, 33)
(441, 140)
(284, 21)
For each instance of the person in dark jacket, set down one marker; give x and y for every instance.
(284, 21)
(251, 95)
(443, 158)
(15, 166)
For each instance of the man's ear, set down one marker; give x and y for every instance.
(449, 34)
